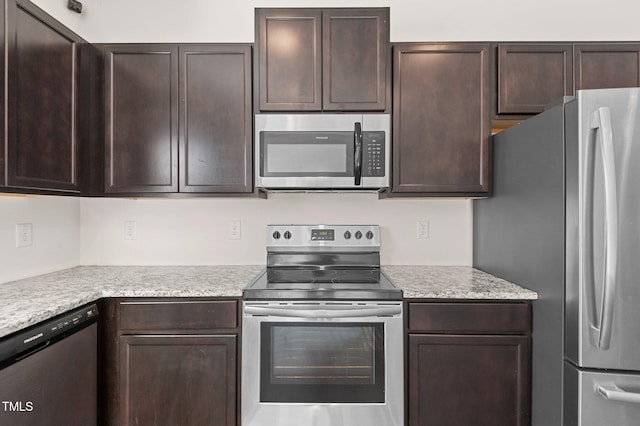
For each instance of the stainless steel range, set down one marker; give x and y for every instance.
(322, 332)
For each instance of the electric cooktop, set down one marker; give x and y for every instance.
(321, 262)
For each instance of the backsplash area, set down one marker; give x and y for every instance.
(198, 231)
(69, 231)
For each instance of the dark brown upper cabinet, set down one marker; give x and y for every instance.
(42, 101)
(441, 119)
(532, 76)
(215, 118)
(151, 91)
(355, 48)
(323, 59)
(141, 122)
(607, 65)
(289, 57)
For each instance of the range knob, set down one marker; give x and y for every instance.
(369, 235)
(287, 235)
(358, 235)
(276, 235)
(347, 235)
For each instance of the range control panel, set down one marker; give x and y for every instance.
(325, 236)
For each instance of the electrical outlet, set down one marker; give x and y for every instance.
(24, 234)
(422, 229)
(234, 230)
(130, 231)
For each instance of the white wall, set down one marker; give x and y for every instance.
(194, 231)
(411, 20)
(56, 235)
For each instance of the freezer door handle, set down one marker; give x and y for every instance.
(614, 393)
(600, 328)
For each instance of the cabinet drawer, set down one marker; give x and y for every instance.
(184, 315)
(471, 318)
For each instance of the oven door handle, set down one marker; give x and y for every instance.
(327, 312)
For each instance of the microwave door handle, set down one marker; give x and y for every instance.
(357, 155)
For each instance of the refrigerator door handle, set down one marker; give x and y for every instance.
(601, 328)
(614, 393)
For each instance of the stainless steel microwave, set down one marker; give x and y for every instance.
(322, 151)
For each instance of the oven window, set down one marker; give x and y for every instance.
(322, 363)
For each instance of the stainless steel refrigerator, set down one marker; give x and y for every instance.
(564, 220)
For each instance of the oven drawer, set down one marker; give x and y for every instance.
(180, 316)
(469, 318)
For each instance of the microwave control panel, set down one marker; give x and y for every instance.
(373, 154)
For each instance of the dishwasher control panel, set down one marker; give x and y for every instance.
(22, 343)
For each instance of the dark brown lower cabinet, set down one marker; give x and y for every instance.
(180, 380)
(469, 364)
(171, 361)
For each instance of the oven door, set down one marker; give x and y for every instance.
(322, 363)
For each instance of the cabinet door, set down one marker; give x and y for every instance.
(215, 118)
(180, 380)
(530, 76)
(141, 118)
(355, 45)
(468, 380)
(441, 119)
(603, 66)
(42, 149)
(289, 52)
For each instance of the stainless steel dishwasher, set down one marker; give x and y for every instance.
(48, 372)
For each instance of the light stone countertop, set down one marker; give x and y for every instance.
(29, 301)
(454, 282)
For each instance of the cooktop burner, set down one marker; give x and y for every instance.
(322, 262)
